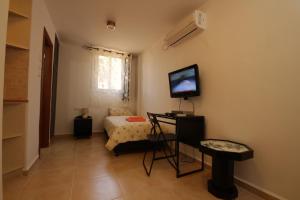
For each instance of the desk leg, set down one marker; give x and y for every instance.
(221, 185)
(177, 158)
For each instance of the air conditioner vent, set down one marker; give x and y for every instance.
(186, 28)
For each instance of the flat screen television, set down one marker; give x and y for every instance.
(184, 82)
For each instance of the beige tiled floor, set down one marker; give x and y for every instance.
(84, 170)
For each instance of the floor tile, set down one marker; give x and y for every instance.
(50, 192)
(104, 188)
(84, 169)
(13, 185)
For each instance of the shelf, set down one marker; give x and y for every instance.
(16, 75)
(16, 46)
(18, 14)
(15, 94)
(14, 101)
(12, 136)
(14, 121)
(22, 7)
(13, 154)
(18, 32)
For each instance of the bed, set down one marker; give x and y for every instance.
(124, 136)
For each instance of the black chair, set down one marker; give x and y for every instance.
(160, 141)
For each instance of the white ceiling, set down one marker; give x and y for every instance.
(139, 22)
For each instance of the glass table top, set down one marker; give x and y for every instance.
(221, 145)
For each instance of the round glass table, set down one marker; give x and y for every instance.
(224, 153)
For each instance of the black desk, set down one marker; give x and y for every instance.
(224, 153)
(190, 130)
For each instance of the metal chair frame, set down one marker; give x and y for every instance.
(160, 140)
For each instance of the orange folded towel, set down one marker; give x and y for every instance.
(136, 119)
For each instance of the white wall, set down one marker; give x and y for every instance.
(40, 19)
(74, 90)
(249, 66)
(3, 29)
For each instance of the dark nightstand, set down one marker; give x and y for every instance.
(83, 127)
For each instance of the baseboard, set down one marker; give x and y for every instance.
(27, 168)
(63, 133)
(18, 171)
(98, 131)
(71, 132)
(265, 194)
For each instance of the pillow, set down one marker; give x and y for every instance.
(119, 112)
(136, 119)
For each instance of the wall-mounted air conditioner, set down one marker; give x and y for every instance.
(189, 26)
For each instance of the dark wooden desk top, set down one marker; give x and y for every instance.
(163, 115)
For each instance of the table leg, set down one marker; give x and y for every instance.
(177, 158)
(221, 185)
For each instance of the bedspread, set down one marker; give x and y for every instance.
(120, 131)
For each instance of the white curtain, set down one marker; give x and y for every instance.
(127, 77)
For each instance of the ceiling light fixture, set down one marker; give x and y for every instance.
(111, 25)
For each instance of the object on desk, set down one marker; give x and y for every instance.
(181, 115)
(224, 153)
(83, 127)
(179, 112)
(136, 119)
(169, 114)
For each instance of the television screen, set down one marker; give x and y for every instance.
(184, 82)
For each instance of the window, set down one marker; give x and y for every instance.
(110, 73)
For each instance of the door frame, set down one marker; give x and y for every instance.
(44, 138)
(54, 85)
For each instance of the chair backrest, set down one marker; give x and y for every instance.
(154, 123)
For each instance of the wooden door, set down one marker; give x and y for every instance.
(46, 80)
